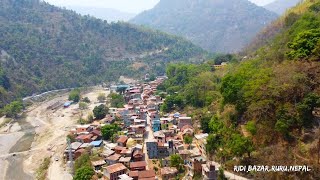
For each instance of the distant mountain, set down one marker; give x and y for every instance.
(215, 25)
(111, 15)
(280, 6)
(43, 47)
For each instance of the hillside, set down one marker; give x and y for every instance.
(111, 15)
(44, 47)
(215, 25)
(264, 109)
(280, 6)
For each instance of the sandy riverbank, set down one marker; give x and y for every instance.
(49, 128)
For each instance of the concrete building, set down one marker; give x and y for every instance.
(209, 171)
(156, 125)
(184, 121)
(152, 149)
(112, 172)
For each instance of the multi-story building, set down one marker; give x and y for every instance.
(152, 149)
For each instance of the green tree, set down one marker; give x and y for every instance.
(152, 77)
(251, 127)
(86, 100)
(82, 161)
(213, 143)
(240, 145)
(90, 118)
(188, 140)
(306, 107)
(74, 95)
(83, 105)
(100, 111)
(204, 123)
(101, 97)
(304, 43)
(221, 175)
(176, 161)
(13, 109)
(84, 173)
(109, 130)
(117, 100)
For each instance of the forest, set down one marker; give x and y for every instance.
(44, 47)
(262, 109)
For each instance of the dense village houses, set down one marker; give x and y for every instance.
(145, 136)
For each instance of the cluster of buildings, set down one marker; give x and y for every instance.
(145, 136)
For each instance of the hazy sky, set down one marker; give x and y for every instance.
(132, 6)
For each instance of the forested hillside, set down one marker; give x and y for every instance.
(263, 110)
(215, 25)
(43, 47)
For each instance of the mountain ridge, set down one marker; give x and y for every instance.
(217, 26)
(280, 6)
(57, 48)
(109, 14)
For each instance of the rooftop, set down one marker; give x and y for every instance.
(119, 148)
(168, 170)
(138, 164)
(96, 143)
(122, 139)
(115, 168)
(114, 157)
(147, 174)
(159, 134)
(125, 177)
(201, 136)
(98, 163)
(86, 136)
(75, 145)
(125, 159)
(185, 118)
(107, 152)
(143, 174)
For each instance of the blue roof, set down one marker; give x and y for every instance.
(123, 86)
(96, 143)
(176, 114)
(67, 103)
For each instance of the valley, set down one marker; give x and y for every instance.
(228, 86)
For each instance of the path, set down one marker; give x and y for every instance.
(148, 136)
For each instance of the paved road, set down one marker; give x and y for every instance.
(148, 136)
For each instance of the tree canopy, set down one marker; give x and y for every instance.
(100, 111)
(74, 95)
(109, 130)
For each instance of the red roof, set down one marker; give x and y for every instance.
(134, 174)
(122, 139)
(137, 153)
(119, 148)
(96, 132)
(138, 164)
(82, 137)
(115, 168)
(114, 157)
(147, 174)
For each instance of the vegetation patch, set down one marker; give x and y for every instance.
(41, 173)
